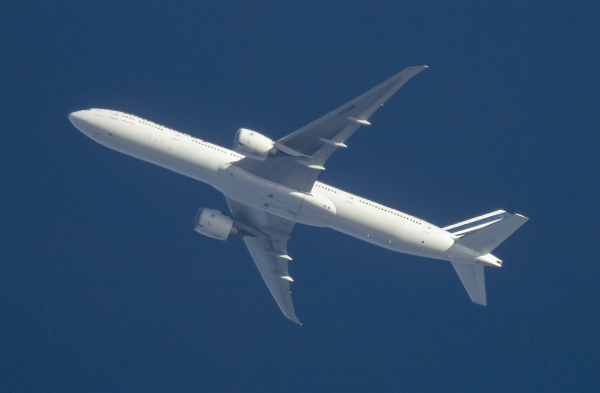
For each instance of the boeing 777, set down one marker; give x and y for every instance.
(272, 185)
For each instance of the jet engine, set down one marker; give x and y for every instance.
(213, 224)
(252, 144)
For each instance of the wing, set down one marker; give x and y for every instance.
(303, 153)
(269, 251)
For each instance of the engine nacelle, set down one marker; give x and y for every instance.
(252, 144)
(213, 224)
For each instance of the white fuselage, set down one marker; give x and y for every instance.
(324, 206)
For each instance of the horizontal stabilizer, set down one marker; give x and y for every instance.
(486, 239)
(473, 279)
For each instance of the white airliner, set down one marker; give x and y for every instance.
(270, 186)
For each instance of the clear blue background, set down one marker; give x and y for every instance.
(104, 286)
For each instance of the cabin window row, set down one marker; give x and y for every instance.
(389, 211)
(212, 147)
(325, 188)
(193, 139)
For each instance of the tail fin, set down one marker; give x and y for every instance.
(482, 234)
(485, 233)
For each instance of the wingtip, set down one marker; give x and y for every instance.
(291, 316)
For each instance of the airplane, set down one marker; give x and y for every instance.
(271, 185)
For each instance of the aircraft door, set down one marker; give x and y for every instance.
(172, 138)
(426, 227)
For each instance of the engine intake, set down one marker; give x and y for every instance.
(252, 144)
(213, 224)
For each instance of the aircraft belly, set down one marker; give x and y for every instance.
(310, 209)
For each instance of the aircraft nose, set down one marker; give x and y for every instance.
(78, 117)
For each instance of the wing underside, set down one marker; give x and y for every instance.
(323, 136)
(303, 153)
(269, 251)
(274, 271)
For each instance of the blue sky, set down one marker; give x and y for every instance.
(104, 286)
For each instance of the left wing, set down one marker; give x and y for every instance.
(269, 251)
(303, 153)
(322, 137)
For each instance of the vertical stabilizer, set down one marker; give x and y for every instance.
(486, 239)
(473, 279)
(484, 233)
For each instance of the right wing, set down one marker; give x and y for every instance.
(269, 251)
(303, 153)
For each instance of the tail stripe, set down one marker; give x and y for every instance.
(476, 223)
(471, 228)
